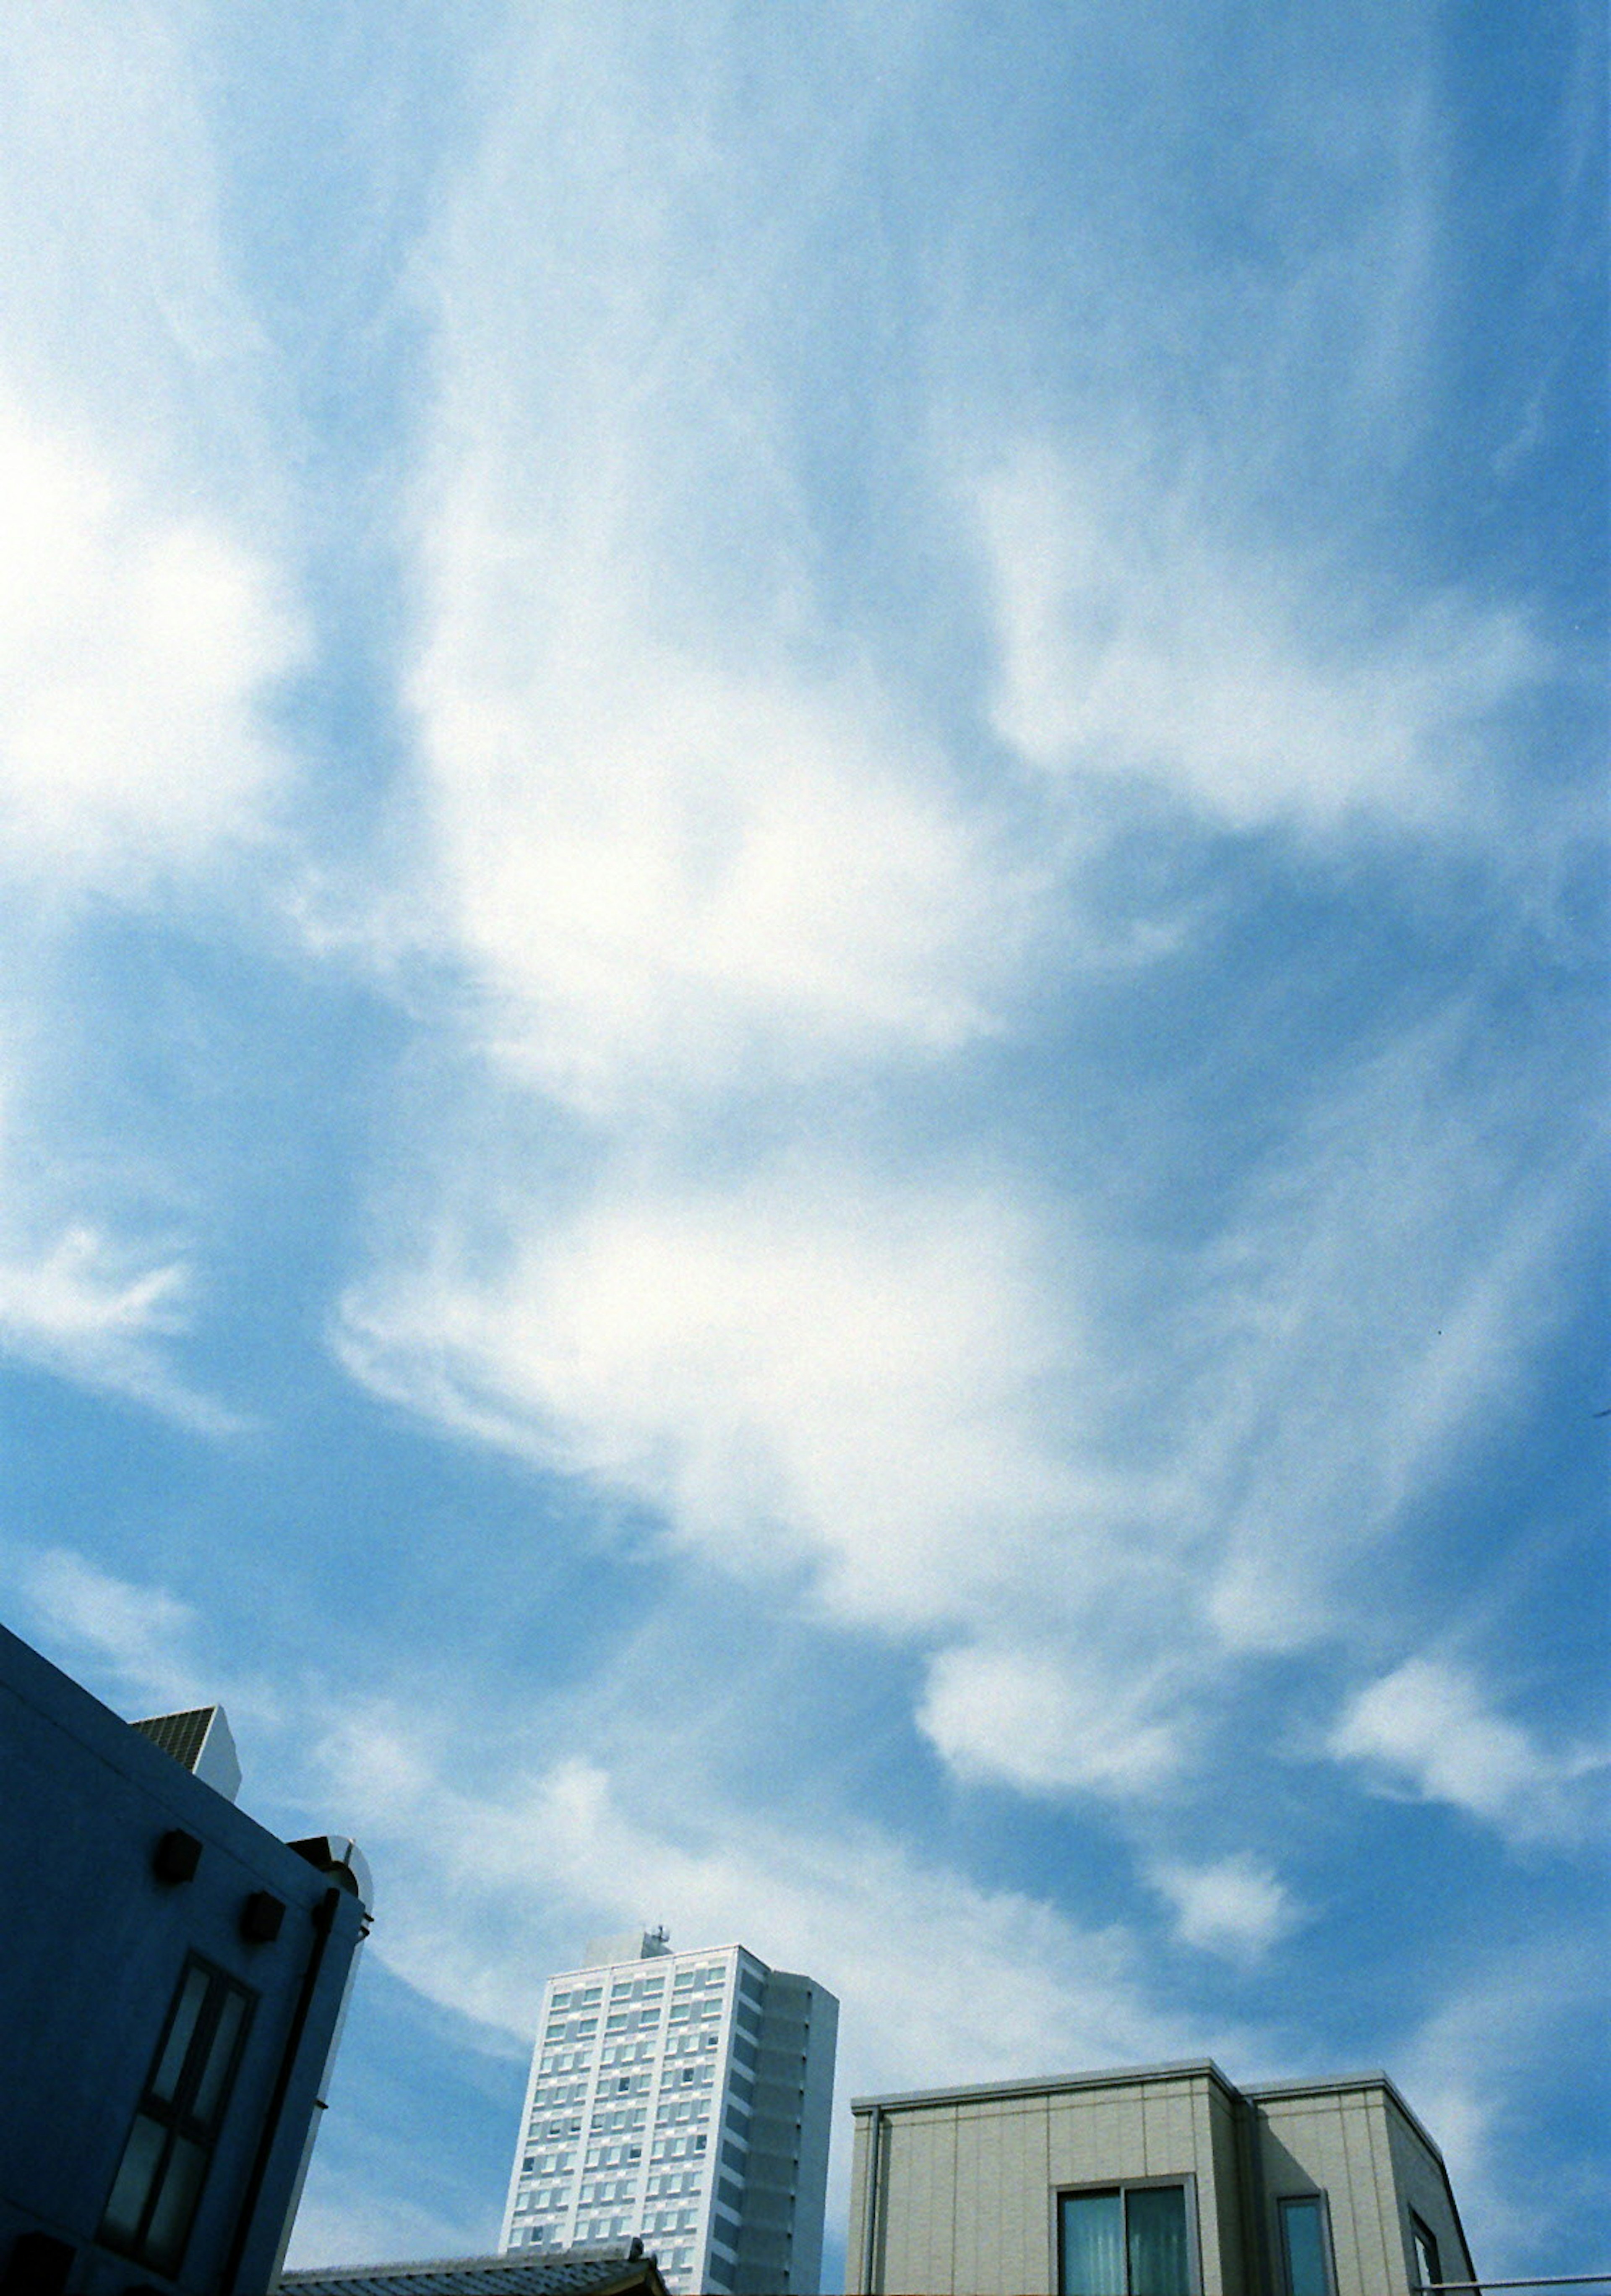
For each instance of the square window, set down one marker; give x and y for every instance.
(1124, 2241)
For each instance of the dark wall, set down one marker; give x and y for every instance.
(95, 1945)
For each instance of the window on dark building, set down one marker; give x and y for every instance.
(158, 2181)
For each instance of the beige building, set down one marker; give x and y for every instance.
(1165, 2181)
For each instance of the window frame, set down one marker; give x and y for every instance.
(1420, 2231)
(1183, 2181)
(174, 2115)
(1328, 2262)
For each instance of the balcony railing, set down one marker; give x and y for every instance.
(1493, 2287)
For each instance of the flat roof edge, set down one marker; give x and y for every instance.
(1045, 2084)
(1336, 2083)
(1123, 2076)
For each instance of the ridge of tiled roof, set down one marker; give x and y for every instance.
(601, 2269)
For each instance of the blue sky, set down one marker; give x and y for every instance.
(802, 824)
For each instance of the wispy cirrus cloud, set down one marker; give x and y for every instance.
(978, 640)
(99, 1313)
(144, 623)
(809, 1369)
(1429, 1730)
(136, 767)
(938, 1977)
(133, 647)
(1136, 643)
(143, 1636)
(1489, 2067)
(720, 880)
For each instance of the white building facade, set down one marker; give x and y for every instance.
(686, 2098)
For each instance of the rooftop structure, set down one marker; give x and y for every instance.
(1165, 2180)
(610, 2269)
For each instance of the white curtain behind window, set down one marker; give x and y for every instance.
(1093, 2244)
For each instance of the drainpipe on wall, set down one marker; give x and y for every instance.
(1256, 2209)
(323, 1920)
(870, 2232)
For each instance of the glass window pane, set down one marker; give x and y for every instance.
(209, 2096)
(165, 2081)
(131, 2187)
(1155, 2224)
(1304, 2239)
(1092, 2243)
(169, 2226)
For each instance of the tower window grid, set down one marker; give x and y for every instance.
(629, 2109)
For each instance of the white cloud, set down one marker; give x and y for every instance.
(364, 2213)
(139, 631)
(71, 1300)
(1387, 1277)
(134, 1642)
(1051, 1722)
(97, 1312)
(1236, 1906)
(134, 643)
(1135, 641)
(669, 872)
(1428, 1731)
(717, 882)
(939, 1980)
(142, 626)
(810, 1368)
(919, 1399)
(142, 1637)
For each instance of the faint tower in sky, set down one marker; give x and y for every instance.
(686, 2098)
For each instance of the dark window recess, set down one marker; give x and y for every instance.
(177, 1856)
(744, 2054)
(733, 2157)
(730, 2195)
(37, 2266)
(1427, 2264)
(159, 2182)
(743, 2089)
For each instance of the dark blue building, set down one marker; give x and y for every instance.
(172, 1980)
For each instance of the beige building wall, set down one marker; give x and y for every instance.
(968, 2179)
(1358, 2143)
(969, 2186)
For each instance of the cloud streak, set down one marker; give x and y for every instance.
(145, 623)
(1427, 1730)
(1136, 644)
(927, 679)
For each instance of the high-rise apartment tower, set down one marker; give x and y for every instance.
(686, 2097)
